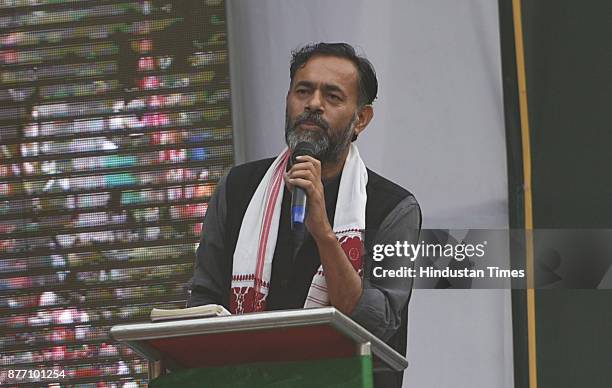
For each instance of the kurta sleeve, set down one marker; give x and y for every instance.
(209, 275)
(383, 298)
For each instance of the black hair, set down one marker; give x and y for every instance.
(367, 83)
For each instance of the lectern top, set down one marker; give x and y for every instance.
(306, 333)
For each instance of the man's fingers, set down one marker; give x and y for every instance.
(301, 178)
(309, 159)
(305, 184)
(305, 174)
(305, 166)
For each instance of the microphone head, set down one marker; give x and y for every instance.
(303, 148)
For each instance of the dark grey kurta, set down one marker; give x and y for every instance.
(379, 307)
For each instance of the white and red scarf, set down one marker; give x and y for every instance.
(257, 238)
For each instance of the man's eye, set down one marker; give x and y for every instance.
(335, 97)
(301, 91)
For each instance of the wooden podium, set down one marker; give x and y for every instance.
(290, 348)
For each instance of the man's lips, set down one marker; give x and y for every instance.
(310, 125)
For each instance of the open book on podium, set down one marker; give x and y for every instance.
(289, 348)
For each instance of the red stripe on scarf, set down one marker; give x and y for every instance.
(263, 239)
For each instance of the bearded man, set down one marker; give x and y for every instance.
(248, 259)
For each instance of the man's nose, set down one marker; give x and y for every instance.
(315, 103)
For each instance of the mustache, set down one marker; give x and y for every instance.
(312, 117)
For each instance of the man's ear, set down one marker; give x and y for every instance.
(364, 116)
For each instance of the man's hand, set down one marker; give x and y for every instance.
(306, 173)
(343, 282)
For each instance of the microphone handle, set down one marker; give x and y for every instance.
(298, 208)
(298, 218)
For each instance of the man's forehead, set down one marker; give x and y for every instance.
(331, 70)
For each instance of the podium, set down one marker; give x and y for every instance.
(290, 348)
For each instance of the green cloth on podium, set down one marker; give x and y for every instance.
(352, 372)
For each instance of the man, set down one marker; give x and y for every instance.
(248, 260)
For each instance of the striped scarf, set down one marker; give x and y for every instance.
(259, 230)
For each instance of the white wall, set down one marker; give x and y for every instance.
(438, 131)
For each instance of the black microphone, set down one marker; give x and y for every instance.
(299, 198)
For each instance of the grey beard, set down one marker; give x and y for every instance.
(320, 142)
(325, 149)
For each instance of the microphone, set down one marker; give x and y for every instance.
(298, 197)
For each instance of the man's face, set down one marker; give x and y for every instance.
(322, 106)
